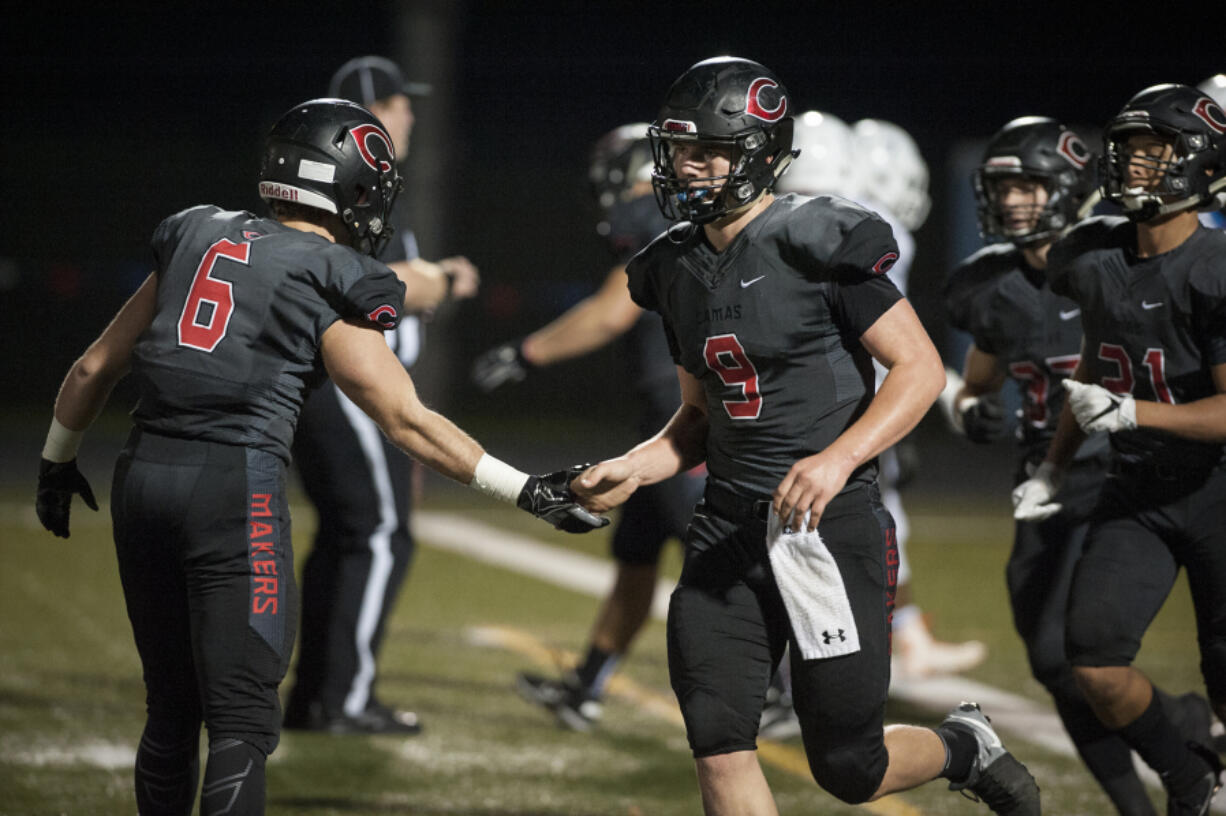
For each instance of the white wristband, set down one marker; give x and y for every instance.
(62, 443)
(496, 478)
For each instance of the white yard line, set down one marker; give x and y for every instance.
(1018, 716)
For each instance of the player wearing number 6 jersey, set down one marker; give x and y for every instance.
(1152, 292)
(241, 315)
(774, 309)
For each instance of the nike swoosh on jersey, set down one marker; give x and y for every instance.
(745, 283)
(1070, 314)
(1148, 306)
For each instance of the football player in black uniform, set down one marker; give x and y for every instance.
(1035, 181)
(358, 480)
(1152, 293)
(620, 172)
(774, 310)
(241, 315)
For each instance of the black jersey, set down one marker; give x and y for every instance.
(1153, 326)
(1011, 313)
(628, 227)
(242, 304)
(771, 328)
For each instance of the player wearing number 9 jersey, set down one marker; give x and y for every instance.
(774, 309)
(241, 315)
(1152, 290)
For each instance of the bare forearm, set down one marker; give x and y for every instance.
(84, 393)
(679, 446)
(906, 394)
(592, 323)
(436, 442)
(1203, 420)
(425, 284)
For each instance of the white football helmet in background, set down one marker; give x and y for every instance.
(890, 170)
(824, 165)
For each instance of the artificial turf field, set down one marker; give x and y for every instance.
(71, 700)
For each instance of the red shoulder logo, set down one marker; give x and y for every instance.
(361, 134)
(754, 105)
(885, 263)
(384, 315)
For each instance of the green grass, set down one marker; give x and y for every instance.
(71, 699)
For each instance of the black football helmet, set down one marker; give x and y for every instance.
(1194, 176)
(335, 156)
(726, 101)
(1042, 149)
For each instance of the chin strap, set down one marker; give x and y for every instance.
(1139, 209)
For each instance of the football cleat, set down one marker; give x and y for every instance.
(1196, 800)
(570, 703)
(376, 719)
(996, 777)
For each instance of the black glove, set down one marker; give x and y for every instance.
(984, 419)
(549, 497)
(57, 482)
(499, 366)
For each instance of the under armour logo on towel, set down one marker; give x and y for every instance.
(829, 638)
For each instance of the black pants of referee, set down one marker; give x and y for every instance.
(203, 539)
(359, 484)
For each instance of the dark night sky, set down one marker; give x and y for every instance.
(115, 119)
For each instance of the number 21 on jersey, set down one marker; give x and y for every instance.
(727, 358)
(210, 301)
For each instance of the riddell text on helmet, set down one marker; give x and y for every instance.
(269, 189)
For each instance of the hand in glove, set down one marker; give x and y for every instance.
(57, 483)
(498, 366)
(549, 497)
(1097, 409)
(982, 417)
(1032, 499)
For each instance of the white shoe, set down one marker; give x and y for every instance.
(917, 654)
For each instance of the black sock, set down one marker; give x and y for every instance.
(233, 779)
(166, 774)
(595, 670)
(960, 749)
(1105, 754)
(1164, 749)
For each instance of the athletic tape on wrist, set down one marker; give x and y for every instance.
(496, 478)
(62, 443)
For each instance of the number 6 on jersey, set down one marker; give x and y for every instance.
(217, 293)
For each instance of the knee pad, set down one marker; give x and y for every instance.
(714, 728)
(847, 765)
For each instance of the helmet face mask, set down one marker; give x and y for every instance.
(1165, 152)
(728, 103)
(1033, 150)
(334, 156)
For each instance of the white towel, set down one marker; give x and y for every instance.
(812, 590)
